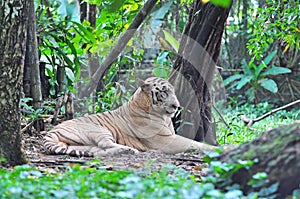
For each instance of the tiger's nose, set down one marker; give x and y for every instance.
(175, 106)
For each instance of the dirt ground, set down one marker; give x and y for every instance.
(37, 157)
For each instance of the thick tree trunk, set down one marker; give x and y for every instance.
(13, 26)
(277, 153)
(194, 70)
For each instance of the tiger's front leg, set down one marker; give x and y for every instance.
(108, 146)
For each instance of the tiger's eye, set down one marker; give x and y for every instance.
(163, 94)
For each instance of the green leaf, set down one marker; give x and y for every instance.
(222, 3)
(159, 15)
(268, 59)
(247, 68)
(269, 84)
(89, 36)
(232, 78)
(274, 70)
(243, 82)
(115, 5)
(70, 74)
(161, 72)
(103, 48)
(171, 40)
(76, 59)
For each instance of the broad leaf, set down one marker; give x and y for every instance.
(274, 70)
(159, 15)
(250, 93)
(268, 59)
(171, 40)
(70, 74)
(243, 82)
(231, 79)
(269, 84)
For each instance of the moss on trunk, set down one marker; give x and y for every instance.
(276, 152)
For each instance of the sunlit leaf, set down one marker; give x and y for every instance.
(222, 3)
(89, 36)
(171, 40)
(70, 74)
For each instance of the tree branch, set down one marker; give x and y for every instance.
(117, 49)
(250, 122)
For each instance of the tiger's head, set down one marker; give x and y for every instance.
(160, 96)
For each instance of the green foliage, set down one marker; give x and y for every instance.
(221, 174)
(171, 40)
(256, 76)
(115, 95)
(170, 182)
(78, 182)
(163, 64)
(65, 40)
(277, 20)
(28, 111)
(58, 45)
(222, 3)
(240, 133)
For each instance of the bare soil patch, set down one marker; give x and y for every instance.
(151, 160)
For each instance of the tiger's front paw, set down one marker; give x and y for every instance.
(116, 151)
(127, 150)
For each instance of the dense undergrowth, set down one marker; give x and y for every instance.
(238, 132)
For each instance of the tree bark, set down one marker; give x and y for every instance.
(194, 70)
(31, 67)
(276, 152)
(13, 27)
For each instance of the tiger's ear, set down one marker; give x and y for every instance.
(144, 86)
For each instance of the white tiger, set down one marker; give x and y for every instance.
(143, 123)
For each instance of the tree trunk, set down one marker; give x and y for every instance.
(13, 27)
(32, 68)
(60, 77)
(276, 152)
(83, 10)
(194, 70)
